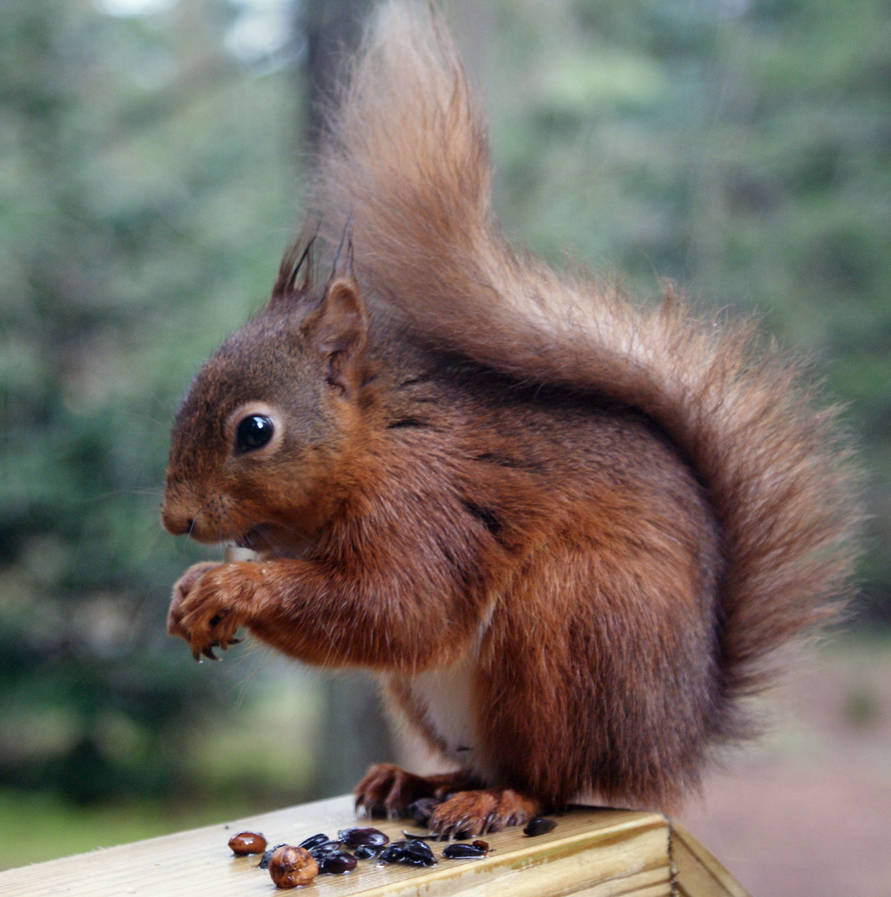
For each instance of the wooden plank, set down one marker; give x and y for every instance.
(591, 853)
(619, 858)
(697, 872)
(654, 883)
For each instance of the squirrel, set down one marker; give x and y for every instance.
(567, 532)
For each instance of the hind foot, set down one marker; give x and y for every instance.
(471, 813)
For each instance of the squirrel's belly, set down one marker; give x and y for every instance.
(446, 696)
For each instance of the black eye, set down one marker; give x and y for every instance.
(253, 433)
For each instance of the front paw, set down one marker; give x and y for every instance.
(387, 790)
(210, 601)
(181, 590)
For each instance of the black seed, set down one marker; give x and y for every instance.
(372, 837)
(325, 848)
(539, 826)
(409, 853)
(419, 850)
(463, 852)
(336, 863)
(314, 841)
(264, 860)
(366, 852)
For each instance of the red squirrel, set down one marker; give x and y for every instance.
(566, 531)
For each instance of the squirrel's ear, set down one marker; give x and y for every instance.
(337, 330)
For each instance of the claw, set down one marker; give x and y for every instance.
(420, 836)
(461, 829)
(208, 652)
(217, 618)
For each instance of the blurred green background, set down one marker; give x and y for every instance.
(151, 166)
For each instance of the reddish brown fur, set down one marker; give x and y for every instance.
(597, 521)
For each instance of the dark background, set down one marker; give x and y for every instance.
(151, 167)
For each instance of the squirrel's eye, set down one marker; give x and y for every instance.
(253, 433)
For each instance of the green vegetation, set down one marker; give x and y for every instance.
(150, 180)
(43, 826)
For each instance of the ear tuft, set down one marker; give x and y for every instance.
(294, 280)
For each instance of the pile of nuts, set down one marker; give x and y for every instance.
(292, 866)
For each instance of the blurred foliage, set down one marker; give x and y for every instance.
(739, 148)
(149, 181)
(146, 199)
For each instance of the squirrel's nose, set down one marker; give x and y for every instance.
(178, 507)
(178, 524)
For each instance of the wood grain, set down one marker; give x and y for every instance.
(698, 873)
(591, 852)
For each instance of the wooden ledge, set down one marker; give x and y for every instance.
(591, 853)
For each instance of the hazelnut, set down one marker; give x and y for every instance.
(290, 867)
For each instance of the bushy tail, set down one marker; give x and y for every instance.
(406, 161)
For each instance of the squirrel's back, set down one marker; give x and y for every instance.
(405, 165)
